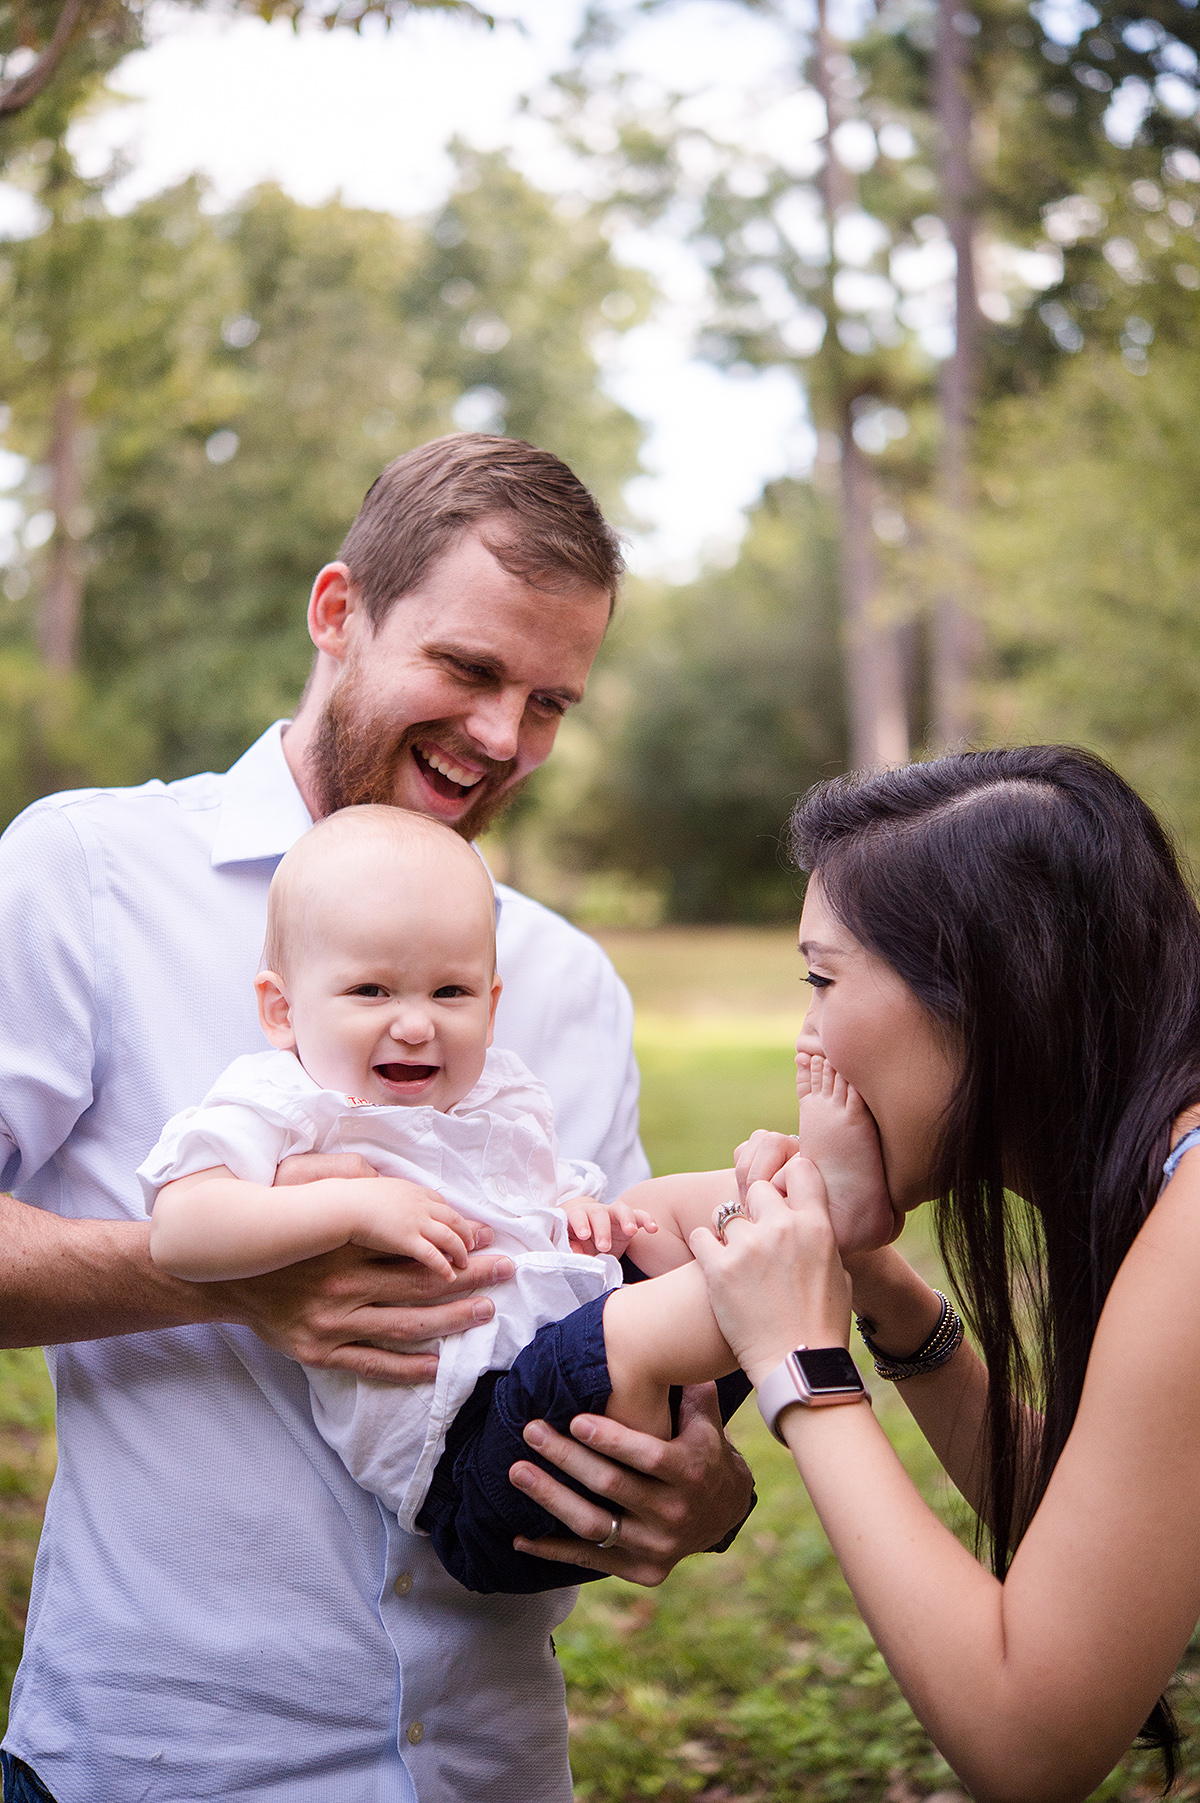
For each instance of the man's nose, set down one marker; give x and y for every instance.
(494, 723)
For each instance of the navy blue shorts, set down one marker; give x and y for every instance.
(21, 1783)
(472, 1512)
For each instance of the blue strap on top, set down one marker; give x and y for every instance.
(1191, 1138)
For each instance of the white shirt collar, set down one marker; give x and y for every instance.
(262, 811)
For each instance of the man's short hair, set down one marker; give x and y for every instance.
(544, 526)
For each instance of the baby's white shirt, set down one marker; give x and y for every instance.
(493, 1157)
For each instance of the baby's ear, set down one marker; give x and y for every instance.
(497, 986)
(274, 1010)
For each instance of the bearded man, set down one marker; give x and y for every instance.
(217, 1610)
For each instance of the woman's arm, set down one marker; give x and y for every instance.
(947, 1404)
(212, 1226)
(1034, 1688)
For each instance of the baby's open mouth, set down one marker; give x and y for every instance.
(406, 1073)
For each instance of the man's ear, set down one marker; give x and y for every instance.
(274, 1010)
(332, 607)
(497, 986)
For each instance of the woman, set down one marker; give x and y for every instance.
(1006, 965)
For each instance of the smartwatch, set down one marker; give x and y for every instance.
(816, 1376)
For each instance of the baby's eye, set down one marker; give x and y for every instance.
(368, 989)
(448, 991)
(816, 982)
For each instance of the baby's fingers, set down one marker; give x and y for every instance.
(450, 1241)
(632, 1220)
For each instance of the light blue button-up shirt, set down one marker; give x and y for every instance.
(218, 1610)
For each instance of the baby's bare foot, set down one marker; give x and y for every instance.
(838, 1133)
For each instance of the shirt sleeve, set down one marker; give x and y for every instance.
(579, 1177)
(248, 1140)
(52, 1018)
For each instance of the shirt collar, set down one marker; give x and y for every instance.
(262, 811)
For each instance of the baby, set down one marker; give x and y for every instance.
(379, 999)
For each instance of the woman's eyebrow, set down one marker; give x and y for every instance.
(808, 948)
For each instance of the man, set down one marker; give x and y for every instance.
(217, 1610)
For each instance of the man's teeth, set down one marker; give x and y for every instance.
(439, 761)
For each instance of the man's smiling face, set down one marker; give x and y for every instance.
(459, 694)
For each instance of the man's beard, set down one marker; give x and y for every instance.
(354, 758)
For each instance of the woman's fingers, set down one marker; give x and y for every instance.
(777, 1282)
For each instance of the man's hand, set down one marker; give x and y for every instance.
(352, 1310)
(673, 1497)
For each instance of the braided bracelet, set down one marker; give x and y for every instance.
(941, 1345)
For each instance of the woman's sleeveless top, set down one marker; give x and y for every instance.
(1191, 1138)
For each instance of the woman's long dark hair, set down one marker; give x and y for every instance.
(1036, 908)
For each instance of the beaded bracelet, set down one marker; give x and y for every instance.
(941, 1345)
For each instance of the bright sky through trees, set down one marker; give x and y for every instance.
(371, 116)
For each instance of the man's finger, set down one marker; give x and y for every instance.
(382, 1366)
(402, 1282)
(398, 1328)
(635, 1568)
(586, 1519)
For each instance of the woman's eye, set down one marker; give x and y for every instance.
(448, 991)
(816, 982)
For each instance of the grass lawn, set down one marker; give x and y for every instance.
(748, 1675)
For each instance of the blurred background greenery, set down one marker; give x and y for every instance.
(996, 539)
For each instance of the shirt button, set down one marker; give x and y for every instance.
(416, 1734)
(403, 1583)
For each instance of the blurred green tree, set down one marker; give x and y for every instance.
(1090, 544)
(718, 705)
(239, 380)
(885, 193)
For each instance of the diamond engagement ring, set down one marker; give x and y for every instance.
(612, 1536)
(729, 1211)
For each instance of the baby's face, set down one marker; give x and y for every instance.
(393, 997)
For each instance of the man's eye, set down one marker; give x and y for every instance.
(548, 704)
(816, 982)
(368, 989)
(448, 991)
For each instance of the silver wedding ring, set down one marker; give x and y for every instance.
(729, 1211)
(613, 1534)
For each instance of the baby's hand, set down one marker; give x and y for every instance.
(408, 1221)
(594, 1227)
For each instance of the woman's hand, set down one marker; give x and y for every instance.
(778, 1282)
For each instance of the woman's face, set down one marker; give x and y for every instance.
(872, 1028)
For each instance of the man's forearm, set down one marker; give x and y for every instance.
(63, 1280)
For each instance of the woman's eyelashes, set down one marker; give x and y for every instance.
(816, 982)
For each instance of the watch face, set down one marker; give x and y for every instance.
(828, 1368)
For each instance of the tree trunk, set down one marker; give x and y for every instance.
(874, 667)
(871, 648)
(955, 644)
(58, 611)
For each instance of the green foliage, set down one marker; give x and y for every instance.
(1091, 545)
(723, 705)
(240, 380)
